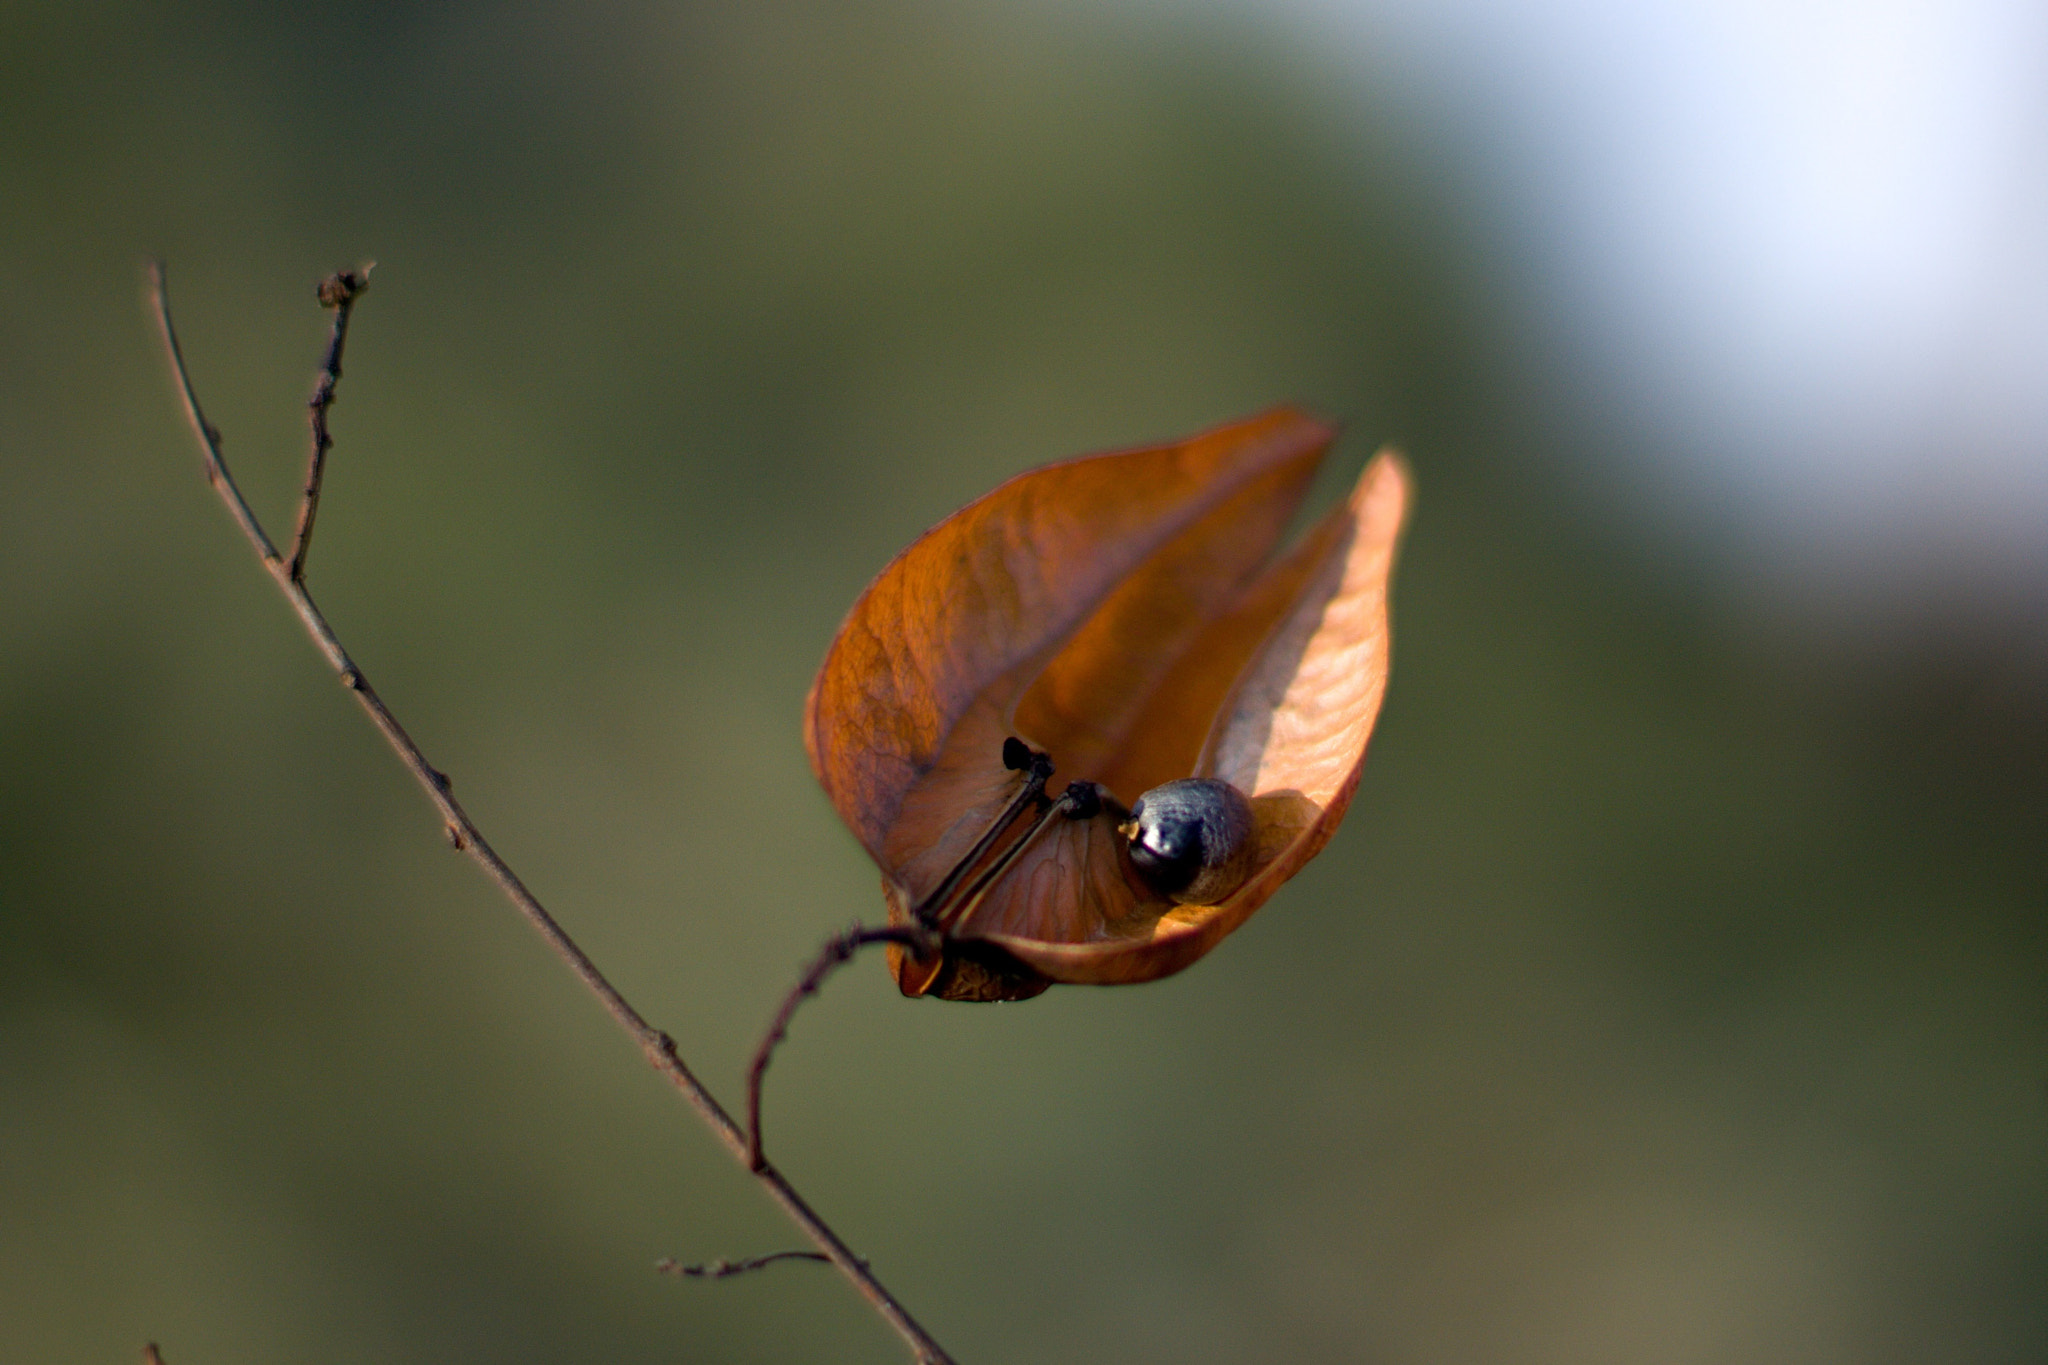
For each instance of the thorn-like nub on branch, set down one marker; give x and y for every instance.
(342, 287)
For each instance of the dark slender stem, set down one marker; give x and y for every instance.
(1038, 767)
(1071, 802)
(838, 951)
(725, 1270)
(339, 292)
(658, 1048)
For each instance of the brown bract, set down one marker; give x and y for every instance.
(1128, 615)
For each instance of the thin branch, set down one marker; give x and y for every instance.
(150, 1355)
(838, 951)
(209, 435)
(932, 919)
(657, 1047)
(339, 292)
(725, 1270)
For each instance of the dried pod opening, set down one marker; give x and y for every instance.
(1126, 614)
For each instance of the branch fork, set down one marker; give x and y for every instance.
(340, 293)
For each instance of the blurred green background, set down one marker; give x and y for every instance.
(1673, 993)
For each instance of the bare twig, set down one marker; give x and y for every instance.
(836, 952)
(338, 291)
(657, 1047)
(150, 1355)
(725, 1270)
(933, 918)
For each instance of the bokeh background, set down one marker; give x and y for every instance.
(1674, 992)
